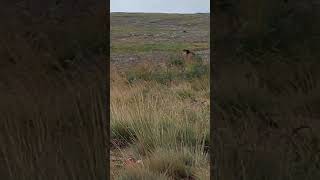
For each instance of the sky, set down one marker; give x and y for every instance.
(160, 6)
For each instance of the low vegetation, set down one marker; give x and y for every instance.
(134, 47)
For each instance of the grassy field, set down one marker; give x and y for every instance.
(159, 106)
(156, 37)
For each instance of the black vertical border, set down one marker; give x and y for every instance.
(214, 154)
(107, 123)
(212, 167)
(211, 91)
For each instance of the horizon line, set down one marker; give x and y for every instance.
(161, 12)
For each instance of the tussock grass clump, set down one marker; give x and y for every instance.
(170, 164)
(174, 164)
(140, 174)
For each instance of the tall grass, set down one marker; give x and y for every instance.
(51, 111)
(162, 120)
(50, 124)
(266, 119)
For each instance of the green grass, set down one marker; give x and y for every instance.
(140, 47)
(131, 29)
(177, 71)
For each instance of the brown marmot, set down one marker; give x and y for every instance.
(188, 55)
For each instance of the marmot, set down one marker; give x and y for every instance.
(188, 55)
